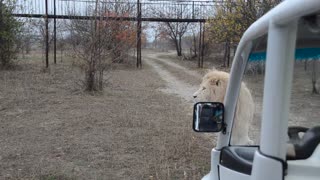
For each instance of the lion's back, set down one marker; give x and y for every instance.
(245, 104)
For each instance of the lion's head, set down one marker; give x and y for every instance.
(213, 87)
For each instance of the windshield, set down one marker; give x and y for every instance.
(305, 99)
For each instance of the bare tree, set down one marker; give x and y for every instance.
(174, 30)
(195, 46)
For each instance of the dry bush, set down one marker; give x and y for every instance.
(9, 29)
(99, 42)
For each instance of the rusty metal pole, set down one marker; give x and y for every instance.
(47, 35)
(140, 27)
(137, 40)
(192, 9)
(1, 2)
(54, 33)
(138, 34)
(181, 10)
(200, 45)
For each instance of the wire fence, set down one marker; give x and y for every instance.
(149, 9)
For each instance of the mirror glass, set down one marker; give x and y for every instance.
(208, 117)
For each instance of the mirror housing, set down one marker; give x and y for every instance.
(208, 117)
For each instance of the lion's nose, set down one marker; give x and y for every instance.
(194, 96)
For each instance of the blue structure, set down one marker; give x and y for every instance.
(300, 54)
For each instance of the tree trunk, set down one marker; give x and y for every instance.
(91, 75)
(61, 52)
(90, 80)
(180, 48)
(1, 40)
(228, 54)
(1, 23)
(177, 47)
(100, 80)
(28, 47)
(226, 57)
(23, 55)
(314, 77)
(194, 45)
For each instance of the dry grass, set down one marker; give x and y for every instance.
(50, 129)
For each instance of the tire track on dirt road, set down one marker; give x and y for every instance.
(176, 66)
(171, 73)
(174, 85)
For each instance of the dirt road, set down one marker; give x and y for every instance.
(174, 85)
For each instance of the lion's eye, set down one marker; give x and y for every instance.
(203, 88)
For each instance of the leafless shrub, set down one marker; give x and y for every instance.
(96, 45)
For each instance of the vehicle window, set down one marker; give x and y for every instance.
(253, 81)
(305, 98)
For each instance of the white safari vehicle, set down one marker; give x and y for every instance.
(292, 25)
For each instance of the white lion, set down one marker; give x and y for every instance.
(213, 89)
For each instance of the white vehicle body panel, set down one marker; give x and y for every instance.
(227, 174)
(307, 169)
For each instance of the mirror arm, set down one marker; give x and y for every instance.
(224, 129)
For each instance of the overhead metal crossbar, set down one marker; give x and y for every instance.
(137, 10)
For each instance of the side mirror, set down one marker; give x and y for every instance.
(208, 117)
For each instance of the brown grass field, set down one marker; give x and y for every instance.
(51, 129)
